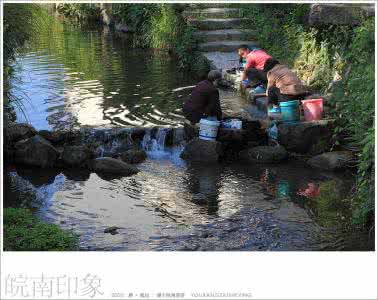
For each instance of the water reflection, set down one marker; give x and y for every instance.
(204, 183)
(172, 206)
(93, 77)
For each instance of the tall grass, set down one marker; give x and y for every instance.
(22, 22)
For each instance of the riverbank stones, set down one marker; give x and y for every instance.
(313, 137)
(333, 161)
(198, 150)
(134, 156)
(17, 132)
(76, 156)
(36, 151)
(112, 166)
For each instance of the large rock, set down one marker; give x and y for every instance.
(17, 132)
(60, 136)
(114, 166)
(76, 156)
(36, 151)
(333, 161)
(312, 137)
(202, 151)
(264, 154)
(339, 14)
(134, 156)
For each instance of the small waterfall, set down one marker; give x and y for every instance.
(161, 136)
(156, 143)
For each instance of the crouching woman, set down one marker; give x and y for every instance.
(284, 85)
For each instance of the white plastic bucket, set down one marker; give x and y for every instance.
(208, 129)
(232, 124)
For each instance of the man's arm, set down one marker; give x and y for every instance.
(249, 64)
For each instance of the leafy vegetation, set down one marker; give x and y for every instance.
(24, 232)
(80, 12)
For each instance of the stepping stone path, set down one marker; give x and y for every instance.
(220, 33)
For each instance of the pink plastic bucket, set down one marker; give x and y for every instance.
(313, 109)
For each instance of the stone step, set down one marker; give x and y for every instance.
(223, 46)
(224, 35)
(215, 24)
(213, 12)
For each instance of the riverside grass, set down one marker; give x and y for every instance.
(24, 232)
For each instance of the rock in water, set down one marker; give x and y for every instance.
(264, 154)
(202, 151)
(17, 132)
(134, 156)
(112, 230)
(114, 166)
(332, 161)
(36, 151)
(75, 156)
(312, 137)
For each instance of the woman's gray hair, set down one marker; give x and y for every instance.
(214, 75)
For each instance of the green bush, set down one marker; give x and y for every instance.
(159, 26)
(80, 12)
(24, 232)
(355, 99)
(139, 19)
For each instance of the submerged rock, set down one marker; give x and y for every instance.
(264, 154)
(134, 156)
(36, 151)
(76, 156)
(114, 166)
(312, 137)
(202, 151)
(112, 230)
(332, 161)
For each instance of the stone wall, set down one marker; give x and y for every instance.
(339, 14)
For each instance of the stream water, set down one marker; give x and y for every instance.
(91, 77)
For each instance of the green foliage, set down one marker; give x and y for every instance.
(278, 27)
(159, 26)
(24, 232)
(80, 12)
(139, 18)
(355, 108)
(21, 23)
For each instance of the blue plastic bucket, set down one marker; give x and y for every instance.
(290, 111)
